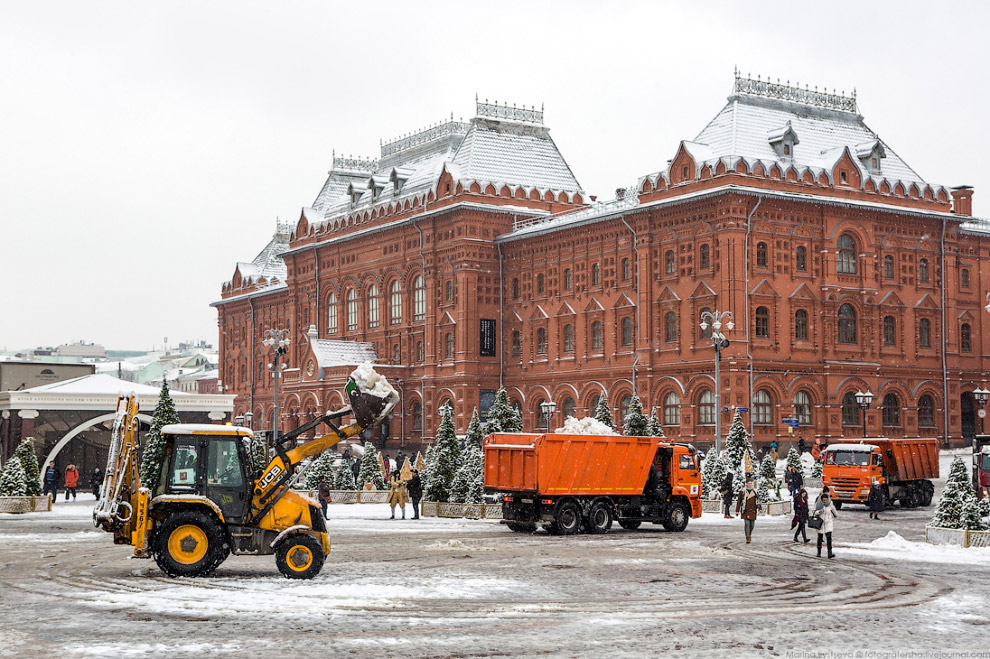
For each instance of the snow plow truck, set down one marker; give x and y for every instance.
(209, 501)
(904, 468)
(573, 483)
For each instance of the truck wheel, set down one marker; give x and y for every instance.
(927, 493)
(629, 524)
(552, 528)
(838, 505)
(600, 518)
(188, 544)
(677, 517)
(910, 499)
(521, 527)
(299, 557)
(568, 518)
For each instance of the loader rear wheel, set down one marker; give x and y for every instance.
(568, 518)
(299, 557)
(188, 544)
(600, 518)
(677, 516)
(629, 524)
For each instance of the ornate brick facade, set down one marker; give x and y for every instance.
(468, 255)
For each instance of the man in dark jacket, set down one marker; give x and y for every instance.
(875, 500)
(95, 481)
(797, 480)
(52, 478)
(415, 489)
(800, 445)
(324, 493)
(356, 466)
(725, 489)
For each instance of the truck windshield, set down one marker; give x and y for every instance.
(985, 464)
(848, 458)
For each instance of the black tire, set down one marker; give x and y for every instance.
(927, 493)
(676, 517)
(838, 505)
(568, 518)
(551, 528)
(521, 527)
(299, 557)
(189, 544)
(629, 524)
(600, 518)
(911, 500)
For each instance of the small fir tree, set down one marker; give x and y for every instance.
(502, 417)
(322, 466)
(957, 507)
(737, 446)
(476, 488)
(474, 436)
(343, 477)
(12, 479)
(816, 469)
(769, 486)
(154, 444)
(29, 462)
(371, 469)
(445, 455)
(712, 473)
(654, 427)
(602, 413)
(424, 470)
(471, 462)
(635, 424)
(259, 451)
(794, 460)
(762, 491)
(768, 469)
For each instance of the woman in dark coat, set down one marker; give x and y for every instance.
(801, 515)
(725, 488)
(875, 500)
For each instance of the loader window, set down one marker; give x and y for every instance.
(225, 465)
(185, 464)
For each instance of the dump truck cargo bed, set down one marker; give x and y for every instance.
(906, 459)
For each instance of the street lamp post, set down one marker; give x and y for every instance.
(864, 398)
(548, 408)
(279, 340)
(716, 319)
(981, 395)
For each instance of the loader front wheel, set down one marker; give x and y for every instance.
(188, 544)
(299, 557)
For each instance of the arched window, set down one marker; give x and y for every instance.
(596, 335)
(568, 338)
(515, 289)
(373, 306)
(448, 291)
(926, 412)
(669, 266)
(761, 255)
(964, 277)
(625, 270)
(802, 408)
(891, 412)
(847, 324)
(924, 333)
(707, 332)
(541, 341)
(448, 345)
(540, 284)
(627, 331)
(706, 408)
(888, 267)
(596, 275)
(965, 338)
(332, 314)
(542, 421)
(762, 408)
(846, 264)
(801, 259)
(395, 302)
(396, 358)
(569, 409)
(624, 406)
(567, 279)
(923, 271)
(593, 405)
(417, 415)
(243, 372)
(670, 327)
(705, 260)
(261, 371)
(352, 310)
(420, 352)
(850, 410)
(516, 344)
(889, 331)
(762, 322)
(800, 325)
(419, 298)
(672, 409)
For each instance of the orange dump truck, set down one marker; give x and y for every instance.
(569, 483)
(903, 466)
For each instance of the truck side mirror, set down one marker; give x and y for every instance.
(890, 453)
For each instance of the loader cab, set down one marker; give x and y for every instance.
(209, 461)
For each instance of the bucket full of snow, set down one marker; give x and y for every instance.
(370, 394)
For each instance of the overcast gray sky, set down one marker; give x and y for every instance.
(148, 147)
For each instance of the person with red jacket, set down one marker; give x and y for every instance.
(71, 481)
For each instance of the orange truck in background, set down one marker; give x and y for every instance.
(570, 483)
(904, 468)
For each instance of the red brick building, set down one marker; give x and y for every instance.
(468, 255)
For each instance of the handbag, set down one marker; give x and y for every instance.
(816, 522)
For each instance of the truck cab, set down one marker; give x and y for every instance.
(981, 466)
(849, 471)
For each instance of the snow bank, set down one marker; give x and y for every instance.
(371, 382)
(586, 426)
(893, 546)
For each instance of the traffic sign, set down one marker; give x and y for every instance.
(743, 409)
(795, 423)
(786, 420)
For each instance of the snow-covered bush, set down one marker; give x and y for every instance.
(371, 469)
(153, 454)
(502, 417)
(602, 413)
(29, 462)
(586, 426)
(712, 473)
(958, 507)
(12, 479)
(635, 424)
(322, 466)
(445, 458)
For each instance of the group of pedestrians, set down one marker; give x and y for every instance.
(400, 492)
(53, 480)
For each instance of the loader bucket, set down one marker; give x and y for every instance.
(368, 409)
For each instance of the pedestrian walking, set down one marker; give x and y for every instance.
(789, 481)
(96, 482)
(800, 515)
(400, 460)
(356, 466)
(801, 445)
(875, 500)
(415, 488)
(725, 489)
(324, 494)
(797, 480)
(825, 511)
(71, 481)
(52, 478)
(398, 495)
(747, 505)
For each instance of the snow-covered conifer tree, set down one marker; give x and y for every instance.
(153, 455)
(957, 507)
(343, 477)
(29, 462)
(769, 487)
(371, 470)
(794, 460)
(712, 473)
(602, 413)
(737, 444)
(474, 436)
(259, 451)
(816, 469)
(654, 428)
(12, 479)
(446, 456)
(322, 466)
(502, 417)
(635, 424)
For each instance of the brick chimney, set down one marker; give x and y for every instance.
(962, 200)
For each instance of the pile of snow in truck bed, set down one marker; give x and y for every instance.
(586, 426)
(371, 382)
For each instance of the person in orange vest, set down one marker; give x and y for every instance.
(71, 481)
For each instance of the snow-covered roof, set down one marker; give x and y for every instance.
(331, 352)
(851, 447)
(206, 429)
(98, 383)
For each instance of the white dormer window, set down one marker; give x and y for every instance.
(783, 140)
(787, 150)
(871, 154)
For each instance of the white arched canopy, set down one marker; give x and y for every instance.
(85, 425)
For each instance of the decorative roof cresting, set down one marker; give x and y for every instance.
(429, 134)
(510, 112)
(795, 94)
